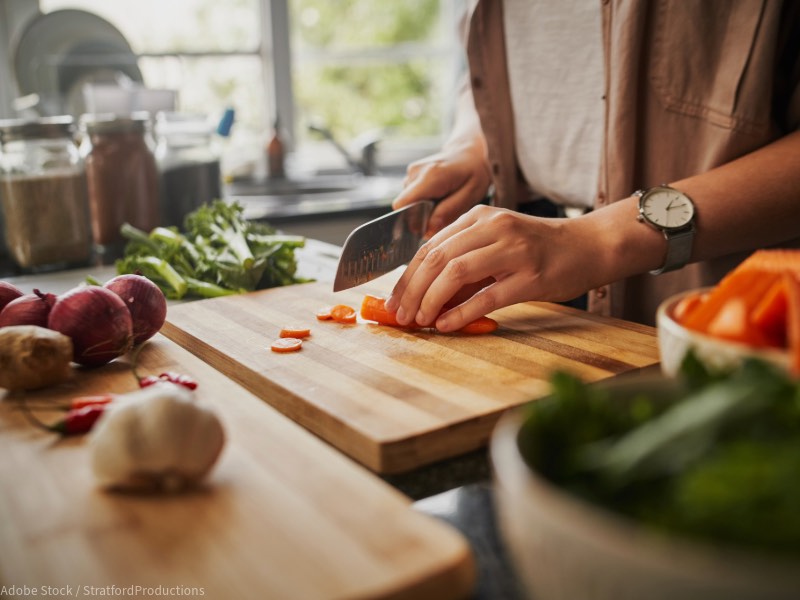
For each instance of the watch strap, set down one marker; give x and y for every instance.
(679, 249)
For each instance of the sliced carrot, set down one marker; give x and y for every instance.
(480, 325)
(295, 331)
(341, 313)
(732, 322)
(687, 305)
(373, 308)
(776, 260)
(324, 314)
(769, 315)
(286, 345)
(793, 321)
(749, 285)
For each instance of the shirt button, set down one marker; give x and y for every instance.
(495, 168)
(600, 293)
(477, 82)
(601, 198)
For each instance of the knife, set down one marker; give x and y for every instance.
(381, 245)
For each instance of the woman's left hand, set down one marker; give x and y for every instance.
(496, 257)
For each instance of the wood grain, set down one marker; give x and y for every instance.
(283, 515)
(396, 399)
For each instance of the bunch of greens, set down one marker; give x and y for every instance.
(219, 253)
(715, 457)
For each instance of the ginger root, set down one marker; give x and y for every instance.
(33, 357)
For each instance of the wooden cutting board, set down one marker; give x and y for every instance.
(283, 515)
(396, 399)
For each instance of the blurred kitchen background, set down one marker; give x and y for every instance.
(357, 88)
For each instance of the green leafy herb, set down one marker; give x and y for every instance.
(219, 253)
(715, 456)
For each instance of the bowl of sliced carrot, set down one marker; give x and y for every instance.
(753, 312)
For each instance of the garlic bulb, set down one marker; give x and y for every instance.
(155, 438)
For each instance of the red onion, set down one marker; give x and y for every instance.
(28, 309)
(98, 322)
(8, 293)
(146, 302)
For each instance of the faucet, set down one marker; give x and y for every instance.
(367, 144)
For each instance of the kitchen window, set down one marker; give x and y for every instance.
(355, 67)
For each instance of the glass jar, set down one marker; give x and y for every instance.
(122, 177)
(188, 162)
(44, 195)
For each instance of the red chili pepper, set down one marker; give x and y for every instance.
(82, 401)
(79, 420)
(170, 376)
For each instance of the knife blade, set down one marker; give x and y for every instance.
(381, 245)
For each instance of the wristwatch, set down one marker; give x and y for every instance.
(671, 212)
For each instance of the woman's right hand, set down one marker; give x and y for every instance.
(458, 177)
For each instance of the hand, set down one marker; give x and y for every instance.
(515, 258)
(458, 176)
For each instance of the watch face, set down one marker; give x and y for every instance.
(666, 208)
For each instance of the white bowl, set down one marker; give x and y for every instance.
(564, 548)
(674, 341)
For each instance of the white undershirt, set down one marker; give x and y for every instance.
(555, 63)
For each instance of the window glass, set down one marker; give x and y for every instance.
(177, 25)
(361, 65)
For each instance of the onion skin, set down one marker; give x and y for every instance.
(146, 302)
(97, 321)
(28, 309)
(8, 293)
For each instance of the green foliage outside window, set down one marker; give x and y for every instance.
(399, 95)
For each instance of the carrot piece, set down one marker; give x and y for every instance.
(324, 314)
(295, 331)
(749, 285)
(480, 325)
(769, 315)
(732, 322)
(793, 321)
(286, 345)
(776, 260)
(341, 313)
(373, 308)
(687, 305)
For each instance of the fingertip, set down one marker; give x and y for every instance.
(401, 316)
(444, 324)
(392, 303)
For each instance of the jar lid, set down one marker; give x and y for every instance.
(42, 128)
(136, 122)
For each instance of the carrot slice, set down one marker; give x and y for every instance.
(286, 345)
(480, 325)
(295, 331)
(373, 308)
(769, 314)
(749, 285)
(324, 314)
(793, 321)
(687, 305)
(341, 313)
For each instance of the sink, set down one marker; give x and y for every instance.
(324, 194)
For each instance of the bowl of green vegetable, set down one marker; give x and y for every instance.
(655, 487)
